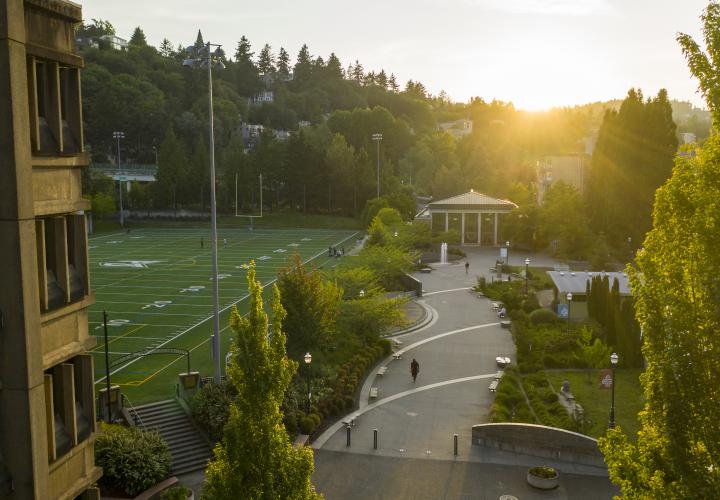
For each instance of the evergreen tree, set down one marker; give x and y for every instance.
(633, 157)
(303, 66)
(358, 74)
(172, 167)
(283, 64)
(382, 79)
(243, 54)
(199, 43)
(393, 84)
(255, 458)
(266, 61)
(333, 69)
(166, 49)
(197, 179)
(369, 79)
(138, 38)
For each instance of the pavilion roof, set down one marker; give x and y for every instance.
(472, 200)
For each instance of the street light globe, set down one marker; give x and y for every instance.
(507, 243)
(308, 358)
(614, 359)
(362, 293)
(569, 296)
(527, 261)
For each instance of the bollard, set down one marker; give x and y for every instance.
(455, 442)
(375, 439)
(348, 435)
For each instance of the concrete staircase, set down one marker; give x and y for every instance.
(189, 449)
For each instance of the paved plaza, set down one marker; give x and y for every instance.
(456, 347)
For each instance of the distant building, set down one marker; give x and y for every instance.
(577, 282)
(251, 130)
(262, 97)
(269, 79)
(457, 128)
(303, 123)
(115, 42)
(688, 138)
(569, 169)
(282, 135)
(82, 42)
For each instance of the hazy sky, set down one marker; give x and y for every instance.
(535, 53)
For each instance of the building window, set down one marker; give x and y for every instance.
(69, 405)
(62, 260)
(55, 109)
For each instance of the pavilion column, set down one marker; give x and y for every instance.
(479, 225)
(462, 228)
(446, 222)
(496, 224)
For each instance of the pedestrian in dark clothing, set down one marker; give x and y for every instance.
(467, 267)
(202, 242)
(330, 251)
(414, 369)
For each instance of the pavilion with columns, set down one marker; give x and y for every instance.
(475, 216)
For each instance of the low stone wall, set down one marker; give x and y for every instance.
(539, 441)
(411, 284)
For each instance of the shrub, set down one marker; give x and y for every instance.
(132, 460)
(456, 251)
(544, 472)
(543, 317)
(307, 425)
(315, 418)
(175, 493)
(210, 408)
(290, 424)
(530, 304)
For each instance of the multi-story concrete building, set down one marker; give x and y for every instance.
(569, 169)
(47, 409)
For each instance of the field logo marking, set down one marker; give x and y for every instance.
(194, 288)
(306, 239)
(221, 276)
(113, 242)
(264, 257)
(135, 264)
(115, 322)
(280, 250)
(158, 303)
(294, 245)
(136, 237)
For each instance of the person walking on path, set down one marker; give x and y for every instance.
(414, 369)
(467, 267)
(202, 242)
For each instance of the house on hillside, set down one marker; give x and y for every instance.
(262, 97)
(577, 283)
(457, 128)
(476, 217)
(115, 42)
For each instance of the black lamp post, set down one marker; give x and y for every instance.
(507, 254)
(308, 360)
(527, 265)
(613, 361)
(569, 300)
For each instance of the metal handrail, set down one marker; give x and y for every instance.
(134, 412)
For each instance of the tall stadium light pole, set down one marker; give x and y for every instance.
(207, 59)
(117, 136)
(377, 138)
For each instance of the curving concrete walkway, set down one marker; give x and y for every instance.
(417, 421)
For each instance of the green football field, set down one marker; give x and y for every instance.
(155, 285)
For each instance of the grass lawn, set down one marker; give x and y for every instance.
(629, 399)
(155, 285)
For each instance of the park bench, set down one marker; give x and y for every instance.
(494, 385)
(397, 343)
(382, 370)
(397, 355)
(373, 392)
(499, 375)
(505, 323)
(502, 361)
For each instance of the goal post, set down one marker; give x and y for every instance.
(249, 216)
